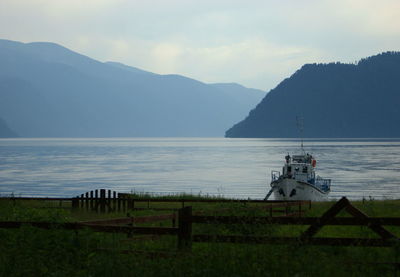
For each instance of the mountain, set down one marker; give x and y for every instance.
(248, 97)
(5, 131)
(129, 68)
(47, 90)
(335, 100)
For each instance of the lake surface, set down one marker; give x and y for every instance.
(238, 168)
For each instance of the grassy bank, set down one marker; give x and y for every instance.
(30, 251)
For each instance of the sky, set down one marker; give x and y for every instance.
(256, 43)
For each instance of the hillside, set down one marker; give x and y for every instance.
(47, 90)
(335, 100)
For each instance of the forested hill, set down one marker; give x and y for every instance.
(335, 100)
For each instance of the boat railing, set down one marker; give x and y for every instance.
(275, 175)
(323, 184)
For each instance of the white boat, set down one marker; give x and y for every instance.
(298, 180)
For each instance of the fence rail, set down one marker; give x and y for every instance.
(186, 219)
(104, 201)
(94, 227)
(343, 221)
(293, 240)
(307, 237)
(133, 220)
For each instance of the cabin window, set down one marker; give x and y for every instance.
(304, 169)
(289, 169)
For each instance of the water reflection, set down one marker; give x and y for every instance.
(237, 168)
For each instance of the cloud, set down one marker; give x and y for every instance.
(257, 43)
(60, 8)
(253, 62)
(372, 17)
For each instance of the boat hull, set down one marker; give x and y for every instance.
(291, 189)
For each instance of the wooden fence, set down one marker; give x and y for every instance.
(307, 237)
(186, 219)
(101, 201)
(111, 201)
(106, 201)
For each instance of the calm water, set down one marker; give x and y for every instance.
(237, 168)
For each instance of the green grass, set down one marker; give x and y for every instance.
(31, 251)
(176, 196)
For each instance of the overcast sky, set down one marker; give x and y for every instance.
(254, 43)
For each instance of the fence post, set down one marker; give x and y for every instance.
(286, 209)
(75, 203)
(91, 200)
(185, 228)
(300, 209)
(174, 220)
(96, 195)
(119, 202)
(109, 201)
(124, 203)
(102, 201)
(87, 201)
(114, 201)
(82, 201)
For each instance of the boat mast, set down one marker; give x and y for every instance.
(300, 127)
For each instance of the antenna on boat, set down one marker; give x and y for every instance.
(300, 126)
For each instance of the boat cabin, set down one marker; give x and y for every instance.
(299, 167)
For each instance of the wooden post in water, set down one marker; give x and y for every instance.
(185, 228)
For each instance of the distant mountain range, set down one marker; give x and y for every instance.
(47, 90)
(335, 100)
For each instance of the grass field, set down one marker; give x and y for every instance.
(30, 251)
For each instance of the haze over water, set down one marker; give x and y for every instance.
(238, 168)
